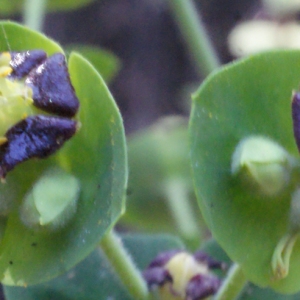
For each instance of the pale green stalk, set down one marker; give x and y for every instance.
(124, 267)
(179, 204)
(232, 285)
(34, 13)
(195, 35)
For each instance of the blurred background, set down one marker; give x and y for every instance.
(152, 74)
(157, 73)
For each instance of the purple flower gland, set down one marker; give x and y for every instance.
(156, 276)
(204, 258)
(162, 259)
(23, 62)
(296, 117)
(52, 88)
(177, 274)
(36, 136)
(202, 286)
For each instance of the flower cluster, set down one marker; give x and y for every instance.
(32, 86)
(179, 275)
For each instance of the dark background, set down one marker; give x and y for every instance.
(156, 66)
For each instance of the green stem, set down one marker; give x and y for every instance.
(180, 207)
(123, 265)
(34, 13)
(194, 32)
(232, 285)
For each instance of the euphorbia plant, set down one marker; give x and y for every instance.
(245, 166)
(91, 166)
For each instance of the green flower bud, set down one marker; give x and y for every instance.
(263, 164)
(52, 200)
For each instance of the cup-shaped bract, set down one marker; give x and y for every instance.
(251, 97)
(91, 164)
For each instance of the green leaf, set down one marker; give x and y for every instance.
(105, 62)
(95, 156)
(15, 37)
(15, 6)
(249, 97)
(93, 278)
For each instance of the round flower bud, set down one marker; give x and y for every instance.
(180, 275)
(52, 200)
(263, 164)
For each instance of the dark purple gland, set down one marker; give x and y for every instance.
(212, 263)
(202, 286)
(163, 258)
(34, 137)
(23, 62)
(296, 117)
(156, 276)
(52, 88)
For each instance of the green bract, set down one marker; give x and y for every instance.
(248, 98)
(105, 62)
(93, 278)
(91, 168)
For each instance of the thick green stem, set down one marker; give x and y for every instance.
(34, 13)
(193, 31)
(233, 284)
(180, 207)
(123, 265)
